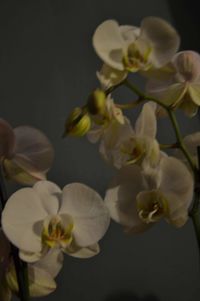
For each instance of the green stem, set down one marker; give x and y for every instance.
(130, 105)
(20, 266)
(172, 118)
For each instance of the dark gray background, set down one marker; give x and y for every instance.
(47, 67)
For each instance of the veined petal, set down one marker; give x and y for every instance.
(33, 150)
(79, 252)
(121, 197)
(22, 219)
(7, 139)
(146, 124)
(176, 184)
(90, 216)
(163, 37)
(108, 44)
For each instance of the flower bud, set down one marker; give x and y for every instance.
(78, 123)
(96, 102)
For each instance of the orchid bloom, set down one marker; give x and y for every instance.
(45, 217)
(41, 274)
(109, 77)
(129, 48)
(138, 199)
(134, 145)
(25, 153)
(179, 84)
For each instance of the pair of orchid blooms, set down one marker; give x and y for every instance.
(45, 222)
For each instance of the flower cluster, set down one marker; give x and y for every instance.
(43, 222)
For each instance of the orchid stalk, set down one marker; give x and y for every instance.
(20, 266)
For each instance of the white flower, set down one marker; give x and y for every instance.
(25, 153)
(129, 48)
(179, 84)
(134, 145)
(137, 199)
(109, 77)
(43, 217)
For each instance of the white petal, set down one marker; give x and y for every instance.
(146, 124)
(90, 216)
(41, 283)
(7, 139)
(33, 151)
(176, 184)
(108, 44)
(121, 197)
(86, 252)
(95, 134)
(110, 77)
(188, 106)
(52, 262)
(22, 219)
(129, 33)
(163, 37)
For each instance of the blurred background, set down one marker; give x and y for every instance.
(47, 67)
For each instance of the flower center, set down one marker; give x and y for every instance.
(57, 231)
(137, 57)
(152, 207)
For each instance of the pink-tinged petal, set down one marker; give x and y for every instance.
(108, 44)
(177, 185)
(79, 252)
(33, 151)
(22, 219)
(90, 216)
(187, 64)
(7, 139)
(146, 124)
(121, 198)
(163, 39)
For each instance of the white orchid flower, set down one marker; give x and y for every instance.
(41, 274)
(44, 217)
(26, 153)
(179, 85)
(129, 48)
(138, 199)
(134, 145)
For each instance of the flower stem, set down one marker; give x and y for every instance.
(20, 266)
(172, 117)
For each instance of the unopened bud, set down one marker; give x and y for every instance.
(96, 102)
(78, 123)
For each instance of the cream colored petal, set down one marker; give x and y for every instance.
(121, 197)
(194, 92)
(188, 106)
(108, 44)
(79, 252)
(95, 134)
(7, 139)
(33, 151)
(176, 185)
(22, 219)
(163, 37)
(90, 216)
(129, 33)
(164, 73)
(109, 77)
(146, 124)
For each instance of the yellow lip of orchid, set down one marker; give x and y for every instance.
(55, 233)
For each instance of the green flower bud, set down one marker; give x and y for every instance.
(96, 102)
(78, 123)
